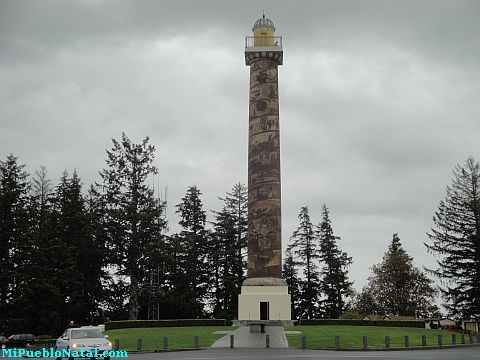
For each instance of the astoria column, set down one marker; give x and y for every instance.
(264, 293)
(264, 202)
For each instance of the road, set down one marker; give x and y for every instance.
(467, 353)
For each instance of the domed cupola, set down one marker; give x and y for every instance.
(263, 24)
(264, 32)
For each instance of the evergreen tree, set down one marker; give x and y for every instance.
(70, 234)
(175, 303)
(222, 258)
(39, 300)
(13, 232)
(294, 283)
(155, 300)
(96, 276)
(304, 246)
(236, 203)
(194, 247)
(133, 215)
(365, 302)
(63, 279)
(90, 242)
(228, 251)
(334, 283)
(42, 190)
(398, 287)
(455, 239)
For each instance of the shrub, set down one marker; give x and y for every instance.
(124, 324)
(44, 337)
(351, 314)
(401, 323)
(356, 322)
(46, 342)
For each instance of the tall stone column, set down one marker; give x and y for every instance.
(264, 297)
(264, 191)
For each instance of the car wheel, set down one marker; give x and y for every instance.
(58, 357)
(70, 357)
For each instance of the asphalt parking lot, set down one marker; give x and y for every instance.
(467, 353)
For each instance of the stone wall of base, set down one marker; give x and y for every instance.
(264, 322)
(277, 296)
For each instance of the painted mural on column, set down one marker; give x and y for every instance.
(264, 192)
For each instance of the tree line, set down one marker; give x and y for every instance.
(105, 253)
(316, 269)
(314, 253)
(67, 253)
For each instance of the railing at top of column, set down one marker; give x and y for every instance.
(252, 41)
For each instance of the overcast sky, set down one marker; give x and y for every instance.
(379, 100)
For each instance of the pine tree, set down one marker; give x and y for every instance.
(13, 231)
(41, 305)
(96, 277)
(81, 220)
(399, 288)
(176, 302)
(334, 283)
(222, 258)
(194, 245)
(236, 203)
(455, 239)
(294, 283)
(42, 190)
(366, 304)
(64, 277)
(133, 215)
(304, 246)
(228, 251)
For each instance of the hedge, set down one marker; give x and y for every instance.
(356, 322)
(124, 324)
(401, 323)
(50, 342)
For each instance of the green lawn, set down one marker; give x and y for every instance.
(178, 337)
(323, 336)
(318, 336)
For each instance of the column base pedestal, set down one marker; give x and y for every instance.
(275, 309)
(257, 323)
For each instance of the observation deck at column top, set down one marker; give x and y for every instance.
(263, 43)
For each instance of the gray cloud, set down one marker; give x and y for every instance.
(378, 101)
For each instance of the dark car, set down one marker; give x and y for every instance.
(20, 340)
(3, 341)
(452, 328)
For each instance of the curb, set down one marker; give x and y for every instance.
(322, 349)
(163, 351)
(399, 348)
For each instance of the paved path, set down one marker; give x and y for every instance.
(244, 339)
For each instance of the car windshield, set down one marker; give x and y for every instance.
(86, 334)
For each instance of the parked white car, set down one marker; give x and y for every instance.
(82, 340)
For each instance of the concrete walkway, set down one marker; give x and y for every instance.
(244, 339)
